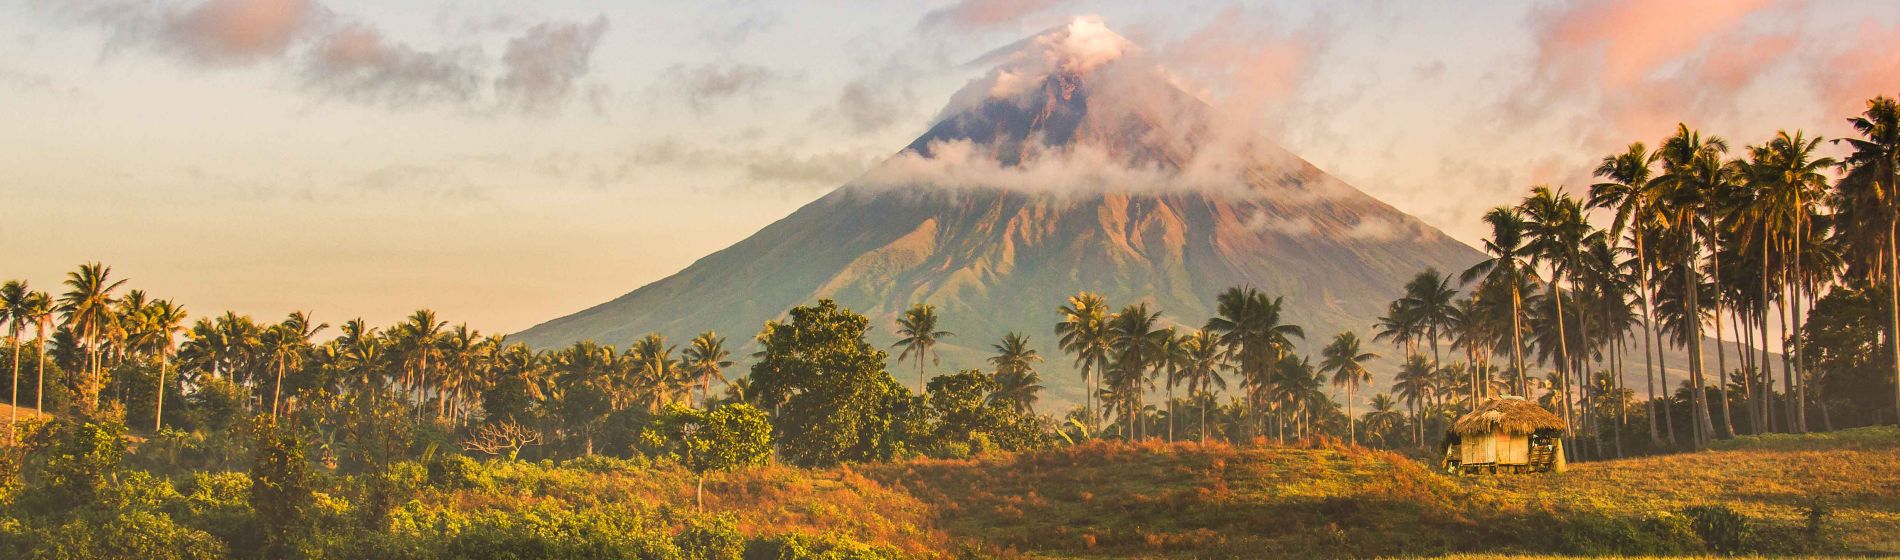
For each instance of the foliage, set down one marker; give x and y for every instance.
(832, 398)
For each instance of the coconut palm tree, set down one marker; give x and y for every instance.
(1140, 345)
(1256, 339)
(163, 321)
(1693, 172)
(1786, 185)
(917, 334)
(1084, 334)
(706, 359)
(1428, 298)
(38, 308)
(1627, 190)
(1202, 359)
(1383, 417)
(418, 338)
(87, 304)
(13, 301)
(1413, 384)
(1557, 231)
(1016, 378)
(1869, 206)
(1346, 361)
(1505, 268)
(656, 374)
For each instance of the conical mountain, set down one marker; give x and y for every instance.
(1075, 165)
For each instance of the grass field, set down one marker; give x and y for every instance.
(1220, 501)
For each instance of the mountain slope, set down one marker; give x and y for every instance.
(1076, 165)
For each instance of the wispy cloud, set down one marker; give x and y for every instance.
(705, 86)
(974, 15)
(542, 65)
(337, 56)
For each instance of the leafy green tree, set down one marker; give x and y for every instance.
(965, 417)
(724, 438)
(833, 400)
(282, 486)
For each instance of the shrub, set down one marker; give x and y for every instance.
(711, 538)
(1722, 529)
(454, 471)
(822, 547)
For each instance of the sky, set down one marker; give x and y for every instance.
(504, 163)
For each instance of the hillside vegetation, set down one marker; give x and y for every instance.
(1224, 501)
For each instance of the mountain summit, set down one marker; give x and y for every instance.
(1074, 165)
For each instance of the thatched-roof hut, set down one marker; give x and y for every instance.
(1507, 434)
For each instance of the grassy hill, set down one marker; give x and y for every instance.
(1218, 501)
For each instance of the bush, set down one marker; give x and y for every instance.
(711, 538)
(454, 471)
(822, 547)
(1722, 529)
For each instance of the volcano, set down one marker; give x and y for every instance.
(1076, 164)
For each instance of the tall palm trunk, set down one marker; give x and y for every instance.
(1893, 308)
(13, 413)
(39, 384)
(1767, 377)
(1563, 360)
(1698, 396)
(158, 414)
(1650, 363)
(1517, 341)
(1721, 363)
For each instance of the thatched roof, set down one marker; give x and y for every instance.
(1510, 414)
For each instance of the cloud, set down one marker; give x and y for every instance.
(337, 56)
(703, 86)
(356, 62)
(977, 15)
(750, 169)
(1637, 67)
(1869, 65)
(220, 32)
(541, 66)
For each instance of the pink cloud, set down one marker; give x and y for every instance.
(240, 31)
(984, 14)
(1869, 67)
(1638, 67)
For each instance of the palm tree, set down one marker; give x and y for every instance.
(163, 320)
(917, 334)
(1414, 387)
(1016, 378)
(38, 309)
(419, 339)
(1347, 363)
(13, 301)
(1084, 334)
(1140, 344)
(657, 375)
(1429, 298)
(1786, 184)
(88, 307)
(1866, 198)
(707, 358)
(1628, 190)
(1255, 338)
(1557, 233)
(1693, 172)
(1383, 417)
(1506, 268)
(1202, 358)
